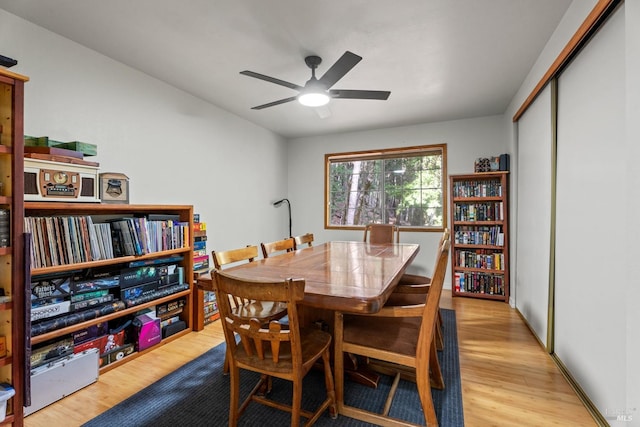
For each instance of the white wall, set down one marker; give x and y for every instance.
(175, 148)
(466, 140)
(570, 22)
(632, 253)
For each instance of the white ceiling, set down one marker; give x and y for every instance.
(441, 59)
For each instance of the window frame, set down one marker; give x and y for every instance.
(386, 153)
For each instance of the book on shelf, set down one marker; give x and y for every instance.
(87, 303)
(64, 240)
(199, 226)
(199, 238)
(201, 262)
(74, 239)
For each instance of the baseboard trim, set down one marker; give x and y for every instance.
(597, 416)
(588, 404)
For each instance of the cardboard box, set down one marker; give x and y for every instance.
(51, 352)
(40, 141)
(83, 147)
(148, 331)
(173, 328)
(104, 343)
(116, 354)
(114, 188)
(138, 291)
(141, 275)
(49, 310)
(90, 333)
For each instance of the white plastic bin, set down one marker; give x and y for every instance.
(6, 393)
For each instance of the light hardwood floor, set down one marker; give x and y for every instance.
(507, 378)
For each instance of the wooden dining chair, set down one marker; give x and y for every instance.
(247, 308)
(271, 350)
(400, 335)
(381, 233)
(264, 311)
(271, 248)
(413, 288)
(304, 239)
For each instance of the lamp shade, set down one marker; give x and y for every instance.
(313, 99)
(314, 94)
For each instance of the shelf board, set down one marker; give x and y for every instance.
(472, 246)
(5, 251)
(82, 325)
(477, 199)
(8, 420)
(5, 306)
(478, 223)
(479, 295)
(7, 360)
(5, 149)
(477, 270)
(5, 200)
(212, 318)
(119, 260)
(77, 208)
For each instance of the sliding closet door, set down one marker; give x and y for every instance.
(535, 136)
(590, 218)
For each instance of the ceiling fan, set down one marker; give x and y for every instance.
(317, 92)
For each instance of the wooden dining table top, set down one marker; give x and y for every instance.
(345, 276)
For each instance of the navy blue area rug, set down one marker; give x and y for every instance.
(197, 394)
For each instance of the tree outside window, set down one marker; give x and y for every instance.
(402, 186)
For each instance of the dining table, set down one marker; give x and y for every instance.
(346, 276)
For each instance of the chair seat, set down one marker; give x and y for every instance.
(398, 299)
(398, 335)
(414, 279)
(313, 342)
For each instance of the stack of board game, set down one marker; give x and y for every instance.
(201, 266)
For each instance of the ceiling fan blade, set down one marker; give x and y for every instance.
(360, 94)
(271, 104)
(271, 79)
(339, 69)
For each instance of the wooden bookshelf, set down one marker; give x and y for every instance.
(206, 307)
(480, 235)
(12, 272)
(104, 212)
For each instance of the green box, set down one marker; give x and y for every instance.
(83, 147)
(40, 141)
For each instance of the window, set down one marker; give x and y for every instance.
(402, 186)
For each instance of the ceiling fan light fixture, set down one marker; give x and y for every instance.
(317, 92)
(313, 99)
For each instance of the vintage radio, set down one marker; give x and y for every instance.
(46, 180)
